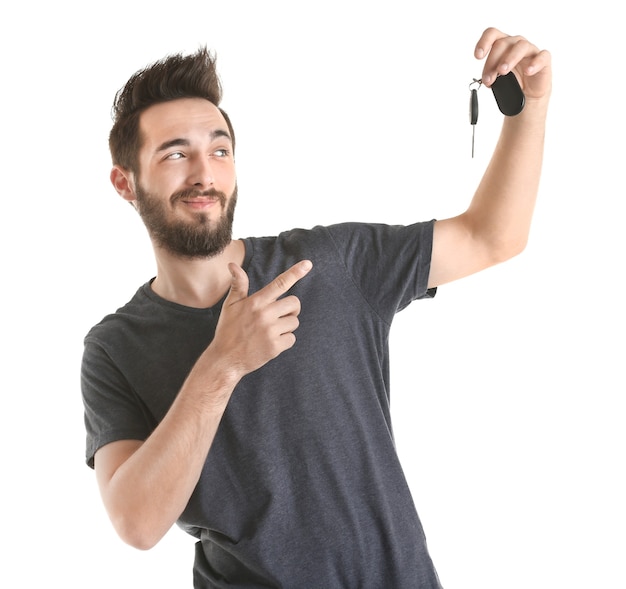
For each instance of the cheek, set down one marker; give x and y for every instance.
(228, 179)
(159, 183)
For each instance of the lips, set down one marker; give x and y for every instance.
(199, 199)
(200, 203)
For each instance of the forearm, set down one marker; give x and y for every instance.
(496, 224)
(148, 491)
(501, 211)
(146, 486)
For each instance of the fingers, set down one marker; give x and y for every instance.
(539, 62)
(239, 286)
(487, 39)
(254, 329)
(283, 282)
(286, 309)
(504, 53)
(279, 286)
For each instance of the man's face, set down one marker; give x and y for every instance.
(186, 189)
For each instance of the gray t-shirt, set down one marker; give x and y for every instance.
(302, 487)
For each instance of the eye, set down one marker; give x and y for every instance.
(222, 152)
(177, 155)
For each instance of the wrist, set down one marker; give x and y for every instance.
(214, 379)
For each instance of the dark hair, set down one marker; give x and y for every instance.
(175, 76)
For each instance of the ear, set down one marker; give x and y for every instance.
(123, 183)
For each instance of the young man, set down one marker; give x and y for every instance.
(201, 407)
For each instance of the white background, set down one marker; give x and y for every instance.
(506, 389)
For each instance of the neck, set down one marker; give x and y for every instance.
(197, 283)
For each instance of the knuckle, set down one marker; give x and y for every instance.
(294, 302)
(281, 283)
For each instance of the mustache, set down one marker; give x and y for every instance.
(195, 193)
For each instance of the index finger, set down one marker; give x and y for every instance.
(486, 41)
(283, 282)
(505, 52)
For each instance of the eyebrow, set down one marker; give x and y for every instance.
(183, 142)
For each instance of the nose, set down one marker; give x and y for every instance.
(201, 173)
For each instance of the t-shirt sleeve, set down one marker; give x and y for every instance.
(390, 264)
(111, 409)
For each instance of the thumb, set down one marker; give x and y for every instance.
(239, 285)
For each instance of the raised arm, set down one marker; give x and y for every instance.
(145, 486)
(496, 225)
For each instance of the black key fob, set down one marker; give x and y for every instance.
(508, 94)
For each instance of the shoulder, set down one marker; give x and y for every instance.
(341, 240)
(128, 314)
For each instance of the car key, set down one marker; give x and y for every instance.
(509, 98)
(473, 114)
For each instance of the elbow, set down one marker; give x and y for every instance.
(508, 249)
(517, 247)
(136, 533)
(140, 542)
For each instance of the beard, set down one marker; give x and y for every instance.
(198, 238)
